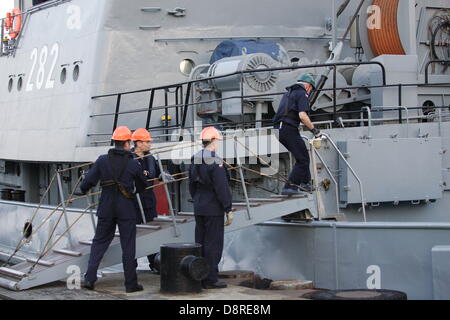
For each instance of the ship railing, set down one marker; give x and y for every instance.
(429, 63)
(434, 112)
(250, 124)
(184, 106)
(181, 107)
(10, 48)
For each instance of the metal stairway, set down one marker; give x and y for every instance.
(55, 265)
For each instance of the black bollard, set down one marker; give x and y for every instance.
(6, 194)
(18, 195)
(182, 268)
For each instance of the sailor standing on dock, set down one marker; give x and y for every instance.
(293, 109)
(119, 175)
(210, 191)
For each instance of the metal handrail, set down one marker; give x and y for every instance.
(427, 66)
(399, 107)
(169, 199)
(241, 175)
(186, 104)
(361, 189)
(243, 72)
(329, 173)
(64, 206)
(162, 107)
(369, 116)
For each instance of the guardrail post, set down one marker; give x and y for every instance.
(369, 118)
(150, 109)
(94, 225)
(319, 203)
(141, 207)
(169, 199)
(64, 207)
(116, 116)
(186, 105)
(241, 174)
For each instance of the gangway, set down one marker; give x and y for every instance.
(56, 265)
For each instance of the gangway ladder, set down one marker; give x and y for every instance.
(149, 237)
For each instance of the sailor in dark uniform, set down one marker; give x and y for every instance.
(210, 191)
(293, 109)
(119, 175)
(141, 152)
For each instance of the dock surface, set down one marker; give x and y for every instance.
(110, 287)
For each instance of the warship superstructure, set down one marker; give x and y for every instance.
(71, 71)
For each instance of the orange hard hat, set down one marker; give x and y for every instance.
(121, 134)
(210, 133)
(141, 135)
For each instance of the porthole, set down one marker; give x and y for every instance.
(63, 76)
(10, 84)
(295, 60)
(19, 84)
(186, 66)
(76, 73)
(428, 107)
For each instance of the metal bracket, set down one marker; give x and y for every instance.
(155, 9)
(177, 12)
(394, 136)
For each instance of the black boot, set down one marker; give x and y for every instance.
(88, 285)
(137, 288)
(307, 187)
(214, 285)
(290, 192)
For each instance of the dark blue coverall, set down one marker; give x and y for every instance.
(210, 191)
(148, 198)
(288, 121)
(115, 209)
